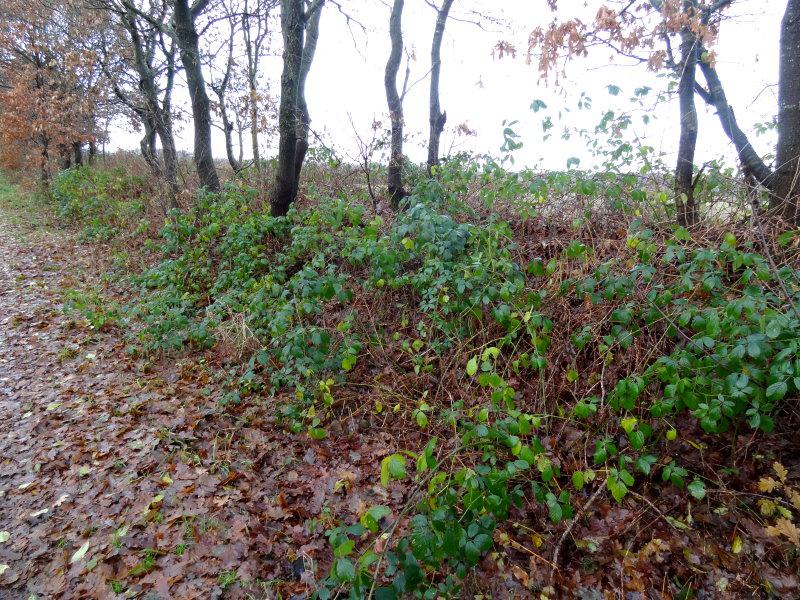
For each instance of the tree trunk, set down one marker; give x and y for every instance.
(303, 117)
(44, 163)
(253, 103)
(684, 171)
(65, 153)
(240, 136)
(188, 43)
(228, 129)
(221, 89)
(92, 151)
(786, 184)
(148, 145)
(154, 114)
(283, 190)
(252, 45)
(752, 165)
(170, 158)
(437, 118)
(395, 102)
(77, 153)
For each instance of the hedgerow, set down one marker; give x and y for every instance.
(618, 340)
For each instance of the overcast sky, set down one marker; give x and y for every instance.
(346, 82)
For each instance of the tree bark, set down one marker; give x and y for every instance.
(283, 190)
(752, 164)
(303, 116)
(685, 205)
(395, 102)
(77, 153)
(786, 184)
(155, 113)
(92, 151)
(148, 145)
(188, 44)
(44, 163)
(437, 118)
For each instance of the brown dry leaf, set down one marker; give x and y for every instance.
(780, 471)
(794, 498)
(767, 485)
(785, 528)
(520, 574)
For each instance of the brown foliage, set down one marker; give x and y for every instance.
(51, 89)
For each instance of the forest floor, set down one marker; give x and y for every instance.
(126, 476)
(120, 476)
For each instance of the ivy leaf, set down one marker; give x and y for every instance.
(645, 463)
(777, 390)
(697, 489)
(392, 467)
(773, 329)
(617, 488)
(371, 518)
(344, 549)
(344, 569)
(472, 366)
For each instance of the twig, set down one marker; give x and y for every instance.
(569, 528)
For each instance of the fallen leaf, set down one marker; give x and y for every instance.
(767, 485)
(80, 552)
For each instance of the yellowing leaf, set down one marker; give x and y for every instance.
(736, 547)
(80, 552)
(780, 471)
(794, 497)
(767, 484)
(767, 507)
(785, 528)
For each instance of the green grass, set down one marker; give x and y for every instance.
(23, 212)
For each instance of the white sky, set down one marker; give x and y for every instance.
(346, 81)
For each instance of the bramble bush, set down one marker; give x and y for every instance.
(103, 201)
(718, 318)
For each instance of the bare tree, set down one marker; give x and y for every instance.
(395, 102)
(184, 23)
(437, 117)
(303, 116)
(627, 31)
(786, 184)
(294, 21)
(222, 87)
(685, 205)
(143, 79)
(255, 33)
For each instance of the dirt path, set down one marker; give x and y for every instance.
(124, 478)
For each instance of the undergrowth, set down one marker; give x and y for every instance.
(103, 202)
(610, 335)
